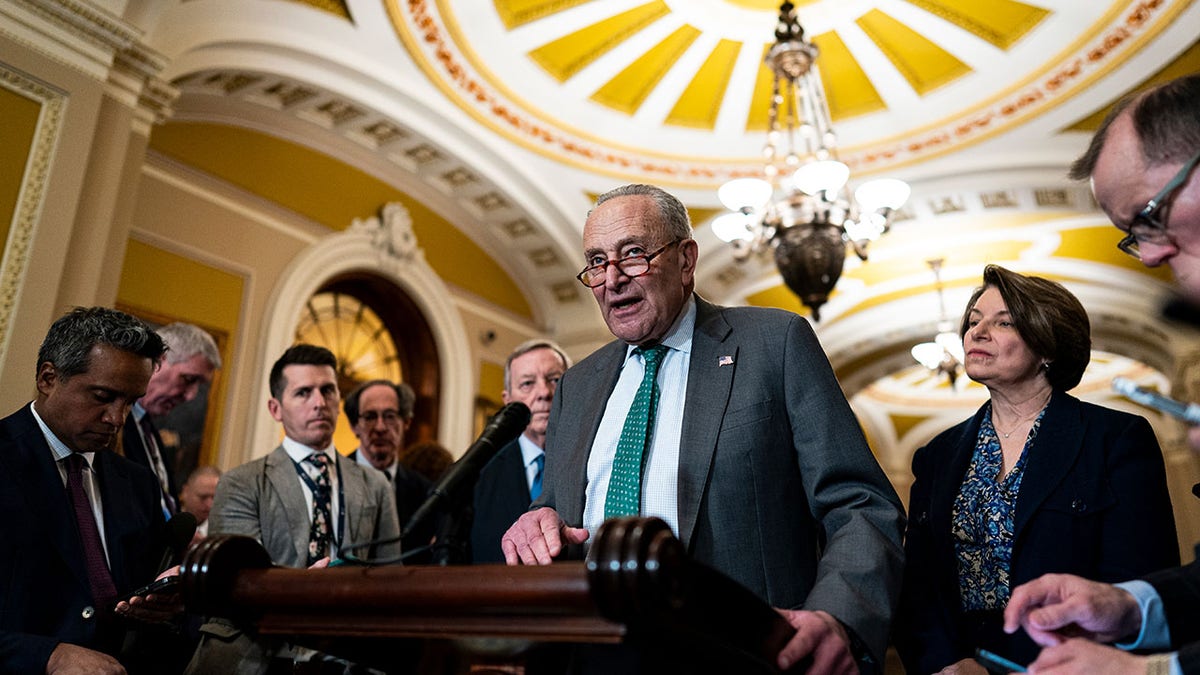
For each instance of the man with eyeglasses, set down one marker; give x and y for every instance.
(380, 413)
(728, 424)
(1142, 164)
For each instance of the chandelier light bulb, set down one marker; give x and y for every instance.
(732, 227)
(928, 354)
(826, 176)
(741, 194)
(950, 342)
(881, 193)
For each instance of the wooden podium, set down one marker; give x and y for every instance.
(636, 592)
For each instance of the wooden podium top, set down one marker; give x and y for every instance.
(637, 586)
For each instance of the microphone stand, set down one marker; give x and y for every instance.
(451, 546)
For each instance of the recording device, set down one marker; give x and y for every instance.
(1188, 412)
(504, 426)
(997, 664)
(180, 530)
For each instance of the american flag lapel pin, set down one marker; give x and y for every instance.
(725, 361)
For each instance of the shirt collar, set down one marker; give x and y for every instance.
(679, 337)
(298, 451)
(57, 447)
(360, 457)
(529, 450)
(138, 412)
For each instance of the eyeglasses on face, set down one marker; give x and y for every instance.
(631, 266)
(1148, 226)
(389, 416)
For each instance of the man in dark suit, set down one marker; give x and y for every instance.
(742, 439)
(192, 358)
(514, 477)
(1143, 166)
(70, 553)
(380, 413)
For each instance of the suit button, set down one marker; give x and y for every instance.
(88, 612)
(1078, 506)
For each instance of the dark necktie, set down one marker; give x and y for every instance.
(154, 454)
(625, 484)
(99, 578)
(322, 516)
(535, 490)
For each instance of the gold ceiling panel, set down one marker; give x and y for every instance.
(631, 86)
(925, 65)
(700, 103)
(569, 54)
(520, 12)
(1000, 22)
(335, 7)
(848, 90)
(764, 86)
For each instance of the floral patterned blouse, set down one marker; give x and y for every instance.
(981, 521)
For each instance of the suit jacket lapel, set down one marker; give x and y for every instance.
(115, 488)
(1053, 453)
(592, 392)
(945, 486)
(37, 477)
(708, 389)
(292, 510)
(354, 487)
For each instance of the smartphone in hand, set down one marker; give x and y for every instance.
(997, 664)
(163, 586)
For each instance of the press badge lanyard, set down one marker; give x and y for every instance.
(339, 531)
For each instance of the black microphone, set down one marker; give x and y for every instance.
(180, 530)
(504, 426)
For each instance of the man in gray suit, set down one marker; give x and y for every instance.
(272, 498)
(754, 457)
(304, 502)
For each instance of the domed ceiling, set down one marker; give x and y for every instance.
(505, 118)
(675, 91)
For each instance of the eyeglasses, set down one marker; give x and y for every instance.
(631, 266)
(389, 416)
(1147, 227)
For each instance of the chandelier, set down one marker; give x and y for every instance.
(801, 208)
(944, 354)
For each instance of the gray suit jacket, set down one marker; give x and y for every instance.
(777, 487)
(263, 499)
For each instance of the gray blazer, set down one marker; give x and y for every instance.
(777, 487)
(263, 499)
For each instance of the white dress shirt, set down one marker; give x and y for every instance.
(660, 463)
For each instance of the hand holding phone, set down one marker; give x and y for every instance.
(997, 664)
(163, 586)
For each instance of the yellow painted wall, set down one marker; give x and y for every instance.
(18, 124)
(491, 380)
(334, 194)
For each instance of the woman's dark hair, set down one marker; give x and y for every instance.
(1048, 317)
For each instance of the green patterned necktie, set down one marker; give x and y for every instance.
(625, 483)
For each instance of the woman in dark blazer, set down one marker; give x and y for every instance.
(1037, 481)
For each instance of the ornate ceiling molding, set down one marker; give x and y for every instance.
(430, 31)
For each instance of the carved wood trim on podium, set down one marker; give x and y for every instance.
(637, 587)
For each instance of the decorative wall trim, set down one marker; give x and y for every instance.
(383, 246)
(32, 195)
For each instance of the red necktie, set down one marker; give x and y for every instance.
(99, 578)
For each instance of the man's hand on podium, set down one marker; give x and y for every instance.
(538, 537)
